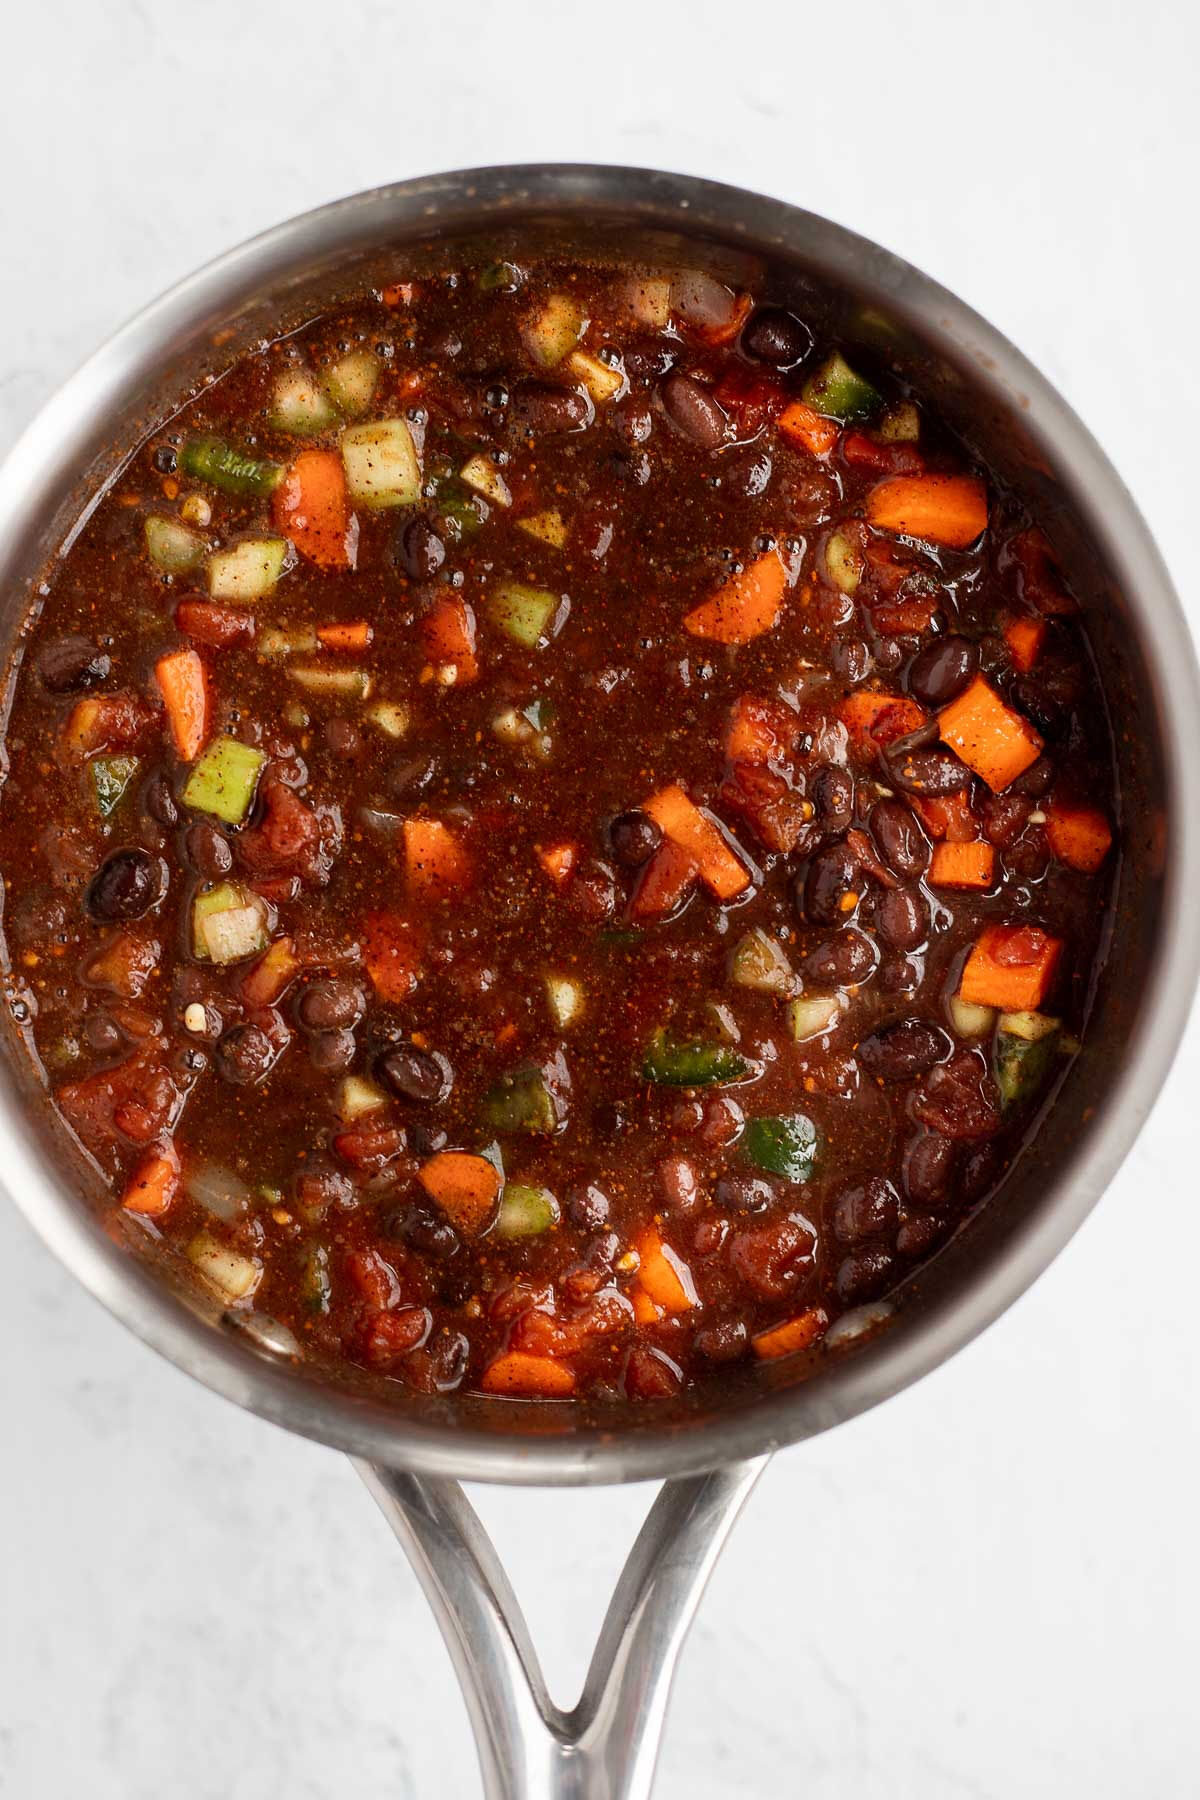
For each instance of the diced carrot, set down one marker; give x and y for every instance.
(183, 683)
(217, 626)
(538, 1377)
(941, 509)
(759, 730)
(662, 1275)
(678, 819)
(664, 881)
(392, 950)
(311, 506)
(800, 1333)
(1079, 836)
(994, 741)
(875, 720)
(747, 605)
(464, 1185)
(436, 865)
(558, 860)
(808, 430)
(1024, 638)
(962, 865)
(153, 1185)
(448, 633)
(398, 293)
(947, 816)
(355, 635)
(265, 982)
(1011, 967)
(645, 1310)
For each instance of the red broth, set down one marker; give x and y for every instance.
(556, 833)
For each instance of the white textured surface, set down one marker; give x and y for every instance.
(989, 1587)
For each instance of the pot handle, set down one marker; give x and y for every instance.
(606, 1747)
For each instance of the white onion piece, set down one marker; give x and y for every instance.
(269, 1334)
(219, 1191)
(852, 1325)
(702, 301)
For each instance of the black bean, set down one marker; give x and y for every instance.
(426, 1140)
(208, 850)
(634, 837)
(342, 738)
(889, 654)
(865, 1275)
(678, 1184)
(1037, 780)
(610, 1119)
(126, 885)
(979, 1172)
(746, 1194)
(919, 1234)
(245, 1055)
(842, 961)
(332, 1004)
(831, 791)
(867, 1209)
(900, 840)
(68, 665)
(103, 1034)
(832, 886)
(538, 411)
(942, 669)
(898, 975)
(418, 549)
(723, 1343)
(928, 1168)
(931, 773)
(902, 918)
(692, 410)
(1005, 817)
(428, 1232)
(587, 1207)
(900, 1051)
(406, 779)
(414, 1074)
(850, 659)
(776, 337)
(159, 801)
(165, 459)
(331, 1051)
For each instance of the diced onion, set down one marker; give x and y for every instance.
(219, 1191)
(269, 1334)
(969, 1020)
(229, 936)
(856, 1324)
(234, 1276)
(812, 1015)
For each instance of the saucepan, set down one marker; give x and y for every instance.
(708, 1453)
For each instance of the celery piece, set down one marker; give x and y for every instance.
(499, 278)
(523, 613)
(248, 570)
(316, 1287)
(602, 380)
(348, 684)
(351, 381)
(1022, 1053)
(549, 526)
(837, 391)
(784, 1146)
(555, 331)
(299, 407)
(228, 924)
(111, 775)
(382, 466)
(525, 1211)
(211, 459)
(480, 472)
(674, 1062)
(224, 780)
(171, 546)
(520, 1102)
(843, 563)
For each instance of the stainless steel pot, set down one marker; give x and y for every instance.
(710, 1457)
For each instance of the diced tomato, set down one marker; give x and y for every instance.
(124, 964)
(760, 730)
(664, 881)
(874, 720)
(388, 1336)
(369, 1147)
(1039, 579)
(218, 626)
(863, 452)
(749, 397)
(778, 816)
(136, 1101)
(288, 839)
(108, 722)
(911, 616)
(392, 947)
(375, 1278)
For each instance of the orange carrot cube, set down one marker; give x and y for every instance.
(995, 742)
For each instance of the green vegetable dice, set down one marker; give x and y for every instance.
(111, 775)
(520, 1102)
(839, 392)
(224, 780)
(672, 1062)
(784, 1146)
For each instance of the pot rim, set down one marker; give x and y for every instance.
(457, 200)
